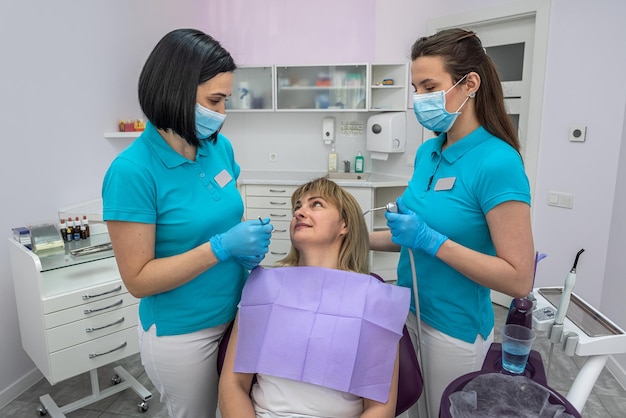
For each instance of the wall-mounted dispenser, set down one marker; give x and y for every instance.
(328, 130)
(386, 133)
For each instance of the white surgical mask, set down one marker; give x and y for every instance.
(208, 122)
(430, 109)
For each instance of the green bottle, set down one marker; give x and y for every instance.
(358, 163)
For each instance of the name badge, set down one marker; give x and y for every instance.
(445, 183)
(223, 178)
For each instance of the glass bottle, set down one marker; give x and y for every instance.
(77, 229)
(84, 228)
(70, 229)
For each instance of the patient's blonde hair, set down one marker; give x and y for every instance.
(354, 251)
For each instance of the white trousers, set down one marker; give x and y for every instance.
(183, 369)
(444, 358)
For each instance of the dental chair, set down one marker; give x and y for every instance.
(409, 376)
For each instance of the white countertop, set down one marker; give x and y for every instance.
(299, 177)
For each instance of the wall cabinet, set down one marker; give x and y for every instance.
(75, 315)
(389, 87)
(274, 201)
(337, 88)
(325, 87)
(253, 89)
(315, 88)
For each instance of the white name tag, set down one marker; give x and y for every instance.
(445, 183)
(223, 178)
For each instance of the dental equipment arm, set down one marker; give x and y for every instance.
(556, 331)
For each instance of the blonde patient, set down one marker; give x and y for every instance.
(327, 230)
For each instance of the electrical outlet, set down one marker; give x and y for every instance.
(272, 156)
(577, 133)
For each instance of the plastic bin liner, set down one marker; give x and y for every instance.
(496, 395)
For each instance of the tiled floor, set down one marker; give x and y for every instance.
(608, 398)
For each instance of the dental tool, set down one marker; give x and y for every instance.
(556, 331)
(391, 207)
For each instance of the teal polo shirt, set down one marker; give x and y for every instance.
(188, 202)
(452, 191)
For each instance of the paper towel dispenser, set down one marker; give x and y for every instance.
(386, 132)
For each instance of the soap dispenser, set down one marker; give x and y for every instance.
(332, 160)
(358, 163)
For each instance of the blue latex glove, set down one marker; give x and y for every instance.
(249, 261)
(409, 230)
(249, 238)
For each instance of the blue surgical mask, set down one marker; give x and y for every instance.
(430, 109)
(208, 122)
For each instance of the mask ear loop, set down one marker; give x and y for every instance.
(469, 96)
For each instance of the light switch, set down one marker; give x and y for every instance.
(561, 200)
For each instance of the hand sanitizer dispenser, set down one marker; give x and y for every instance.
(328, 130)
(386, 133)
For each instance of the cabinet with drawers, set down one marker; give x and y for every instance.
(75, 315)
(274, 202)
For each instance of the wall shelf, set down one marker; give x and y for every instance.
(118, 135)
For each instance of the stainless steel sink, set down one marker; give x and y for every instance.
(347, 176)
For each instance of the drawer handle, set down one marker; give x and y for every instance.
(88, 296)
(119, 347)
(275, 253)
(278, 215)
(88, 311)
(278, 190)
(280, 230)
(92, 329)
(278, 203)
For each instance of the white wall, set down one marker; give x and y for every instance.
(614, 288)
(69, 71)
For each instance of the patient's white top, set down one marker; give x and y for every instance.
(277, 397)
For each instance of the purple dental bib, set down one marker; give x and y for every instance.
(327, 327)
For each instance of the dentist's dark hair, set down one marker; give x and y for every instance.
(462, 53)
(181, 61)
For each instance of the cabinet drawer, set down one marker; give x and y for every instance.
(281, 230)
(76, 359)
(88, 329)
(83, 295)
(269, 190)
(278, 250)
(275, 215)
(89, 310)
(271, 202)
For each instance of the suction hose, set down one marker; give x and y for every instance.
(392, 207)
(419, 329)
